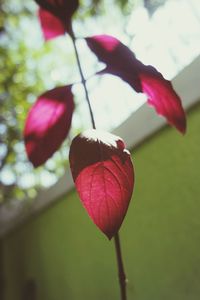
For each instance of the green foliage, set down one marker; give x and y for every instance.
(20, 82)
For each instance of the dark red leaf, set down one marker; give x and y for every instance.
(103, 174)
(55, 16)
(48, 124)
(121, 61)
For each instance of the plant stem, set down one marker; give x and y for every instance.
(122, 276)
(82, 77)
(121, 272)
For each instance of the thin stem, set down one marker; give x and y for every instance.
(121, 272)
(122, 276)
(82, 77)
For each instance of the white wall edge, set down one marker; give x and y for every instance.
(143, 123)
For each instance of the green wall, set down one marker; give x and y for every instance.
(69, 258)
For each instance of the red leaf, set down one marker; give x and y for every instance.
(103, 174)
(48, 124)
(121, 61)
(51, 25)
(163, 97)
(55, 16)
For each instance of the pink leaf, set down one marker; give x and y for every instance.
(55, 16)
(121, 61)
(103, 174)
(51, 25)
(48, 124)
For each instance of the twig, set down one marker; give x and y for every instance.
(121, 272)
